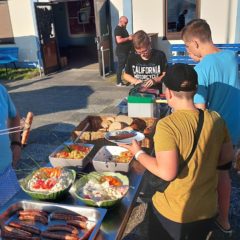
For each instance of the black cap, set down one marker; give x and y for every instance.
(181, 77)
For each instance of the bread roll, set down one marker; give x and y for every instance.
(116, 126)
(139, 124)
(111, 119)
(105, 124)
(124, 119)
(134, 126)
(147, 130)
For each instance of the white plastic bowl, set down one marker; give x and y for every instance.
(65, 162)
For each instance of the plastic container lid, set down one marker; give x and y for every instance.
(141, 99)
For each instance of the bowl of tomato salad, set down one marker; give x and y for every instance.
(48, 183)
(71, 154)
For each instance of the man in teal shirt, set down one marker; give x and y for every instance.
(218, 90)
(218, 77)
(10, 150)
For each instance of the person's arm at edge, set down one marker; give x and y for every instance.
(129, 78)
(151, 82)
(15, 137)
(165, 165)
(224, 186)
(120, 39)
(159, 79)
(156, 80)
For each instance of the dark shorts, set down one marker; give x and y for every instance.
(163, 228)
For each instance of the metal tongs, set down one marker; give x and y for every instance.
(81, 133)
(16, 129)
(76, 139)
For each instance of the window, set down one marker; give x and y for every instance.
(177, 14)
(6, 33)
(81, 17)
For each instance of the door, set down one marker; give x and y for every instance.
(103, 36)
(47, 37)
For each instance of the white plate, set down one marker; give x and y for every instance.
(138, 136)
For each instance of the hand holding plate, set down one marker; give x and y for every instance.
(134, 147)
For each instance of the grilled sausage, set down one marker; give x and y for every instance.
(67, 216)
(9, 235)
(41, 219)
(63, 227)
(60, 236)
(33, 212)
(77, 223)
(27, 126)
(27, 227)
(17, 231)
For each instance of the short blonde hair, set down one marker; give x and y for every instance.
(197, 28)
(141, 39)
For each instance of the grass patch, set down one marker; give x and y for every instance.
(112, 78)
(18, 74)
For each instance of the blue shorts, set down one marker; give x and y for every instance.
(9, 185)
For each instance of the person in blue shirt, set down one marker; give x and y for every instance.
(10, 146)
(219, 89)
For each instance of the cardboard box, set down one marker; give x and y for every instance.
(95, 131)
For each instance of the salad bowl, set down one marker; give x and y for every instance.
(103, 189)
(48, 183)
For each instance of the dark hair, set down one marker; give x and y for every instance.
(181, 77)
(141, 39)
(198, 28)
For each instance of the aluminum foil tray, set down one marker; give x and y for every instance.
(94, 216)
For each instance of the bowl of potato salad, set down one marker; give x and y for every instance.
(103, 189)
(71, 154)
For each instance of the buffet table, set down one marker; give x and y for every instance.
(114, 222)
(116, 218)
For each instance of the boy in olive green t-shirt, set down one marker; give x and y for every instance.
(188, 207)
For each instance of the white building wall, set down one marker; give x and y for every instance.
(24, 31)
(222, 18)
(148, 16)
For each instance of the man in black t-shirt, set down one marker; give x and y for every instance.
(145, 65)
(124, 45)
